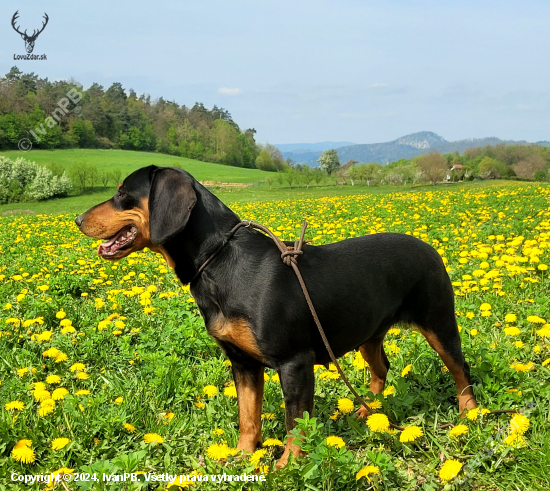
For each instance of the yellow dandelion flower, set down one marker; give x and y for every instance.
(59, 443)
(118, 401)
(66, 323)
(389, 391)
(544, 332)
(82, 392)
(61, 314)
(329, 375)
(200, 405)
(473, 414)
(406, 370)
(257, 456)
(450, 470)
(14, 406)
(50, 353)
(512, 331)
(77, 367)
(275, 378)
(129, 427)
(367, 471)
(61, 357)
(374, 404)
(410, 434)
(359, 361)
(82, 376)
(153, 438)
(519, 424)
(335, 415)
(59, 394)
(22, 452)
(230, 391)
(335, 441)
(535, 319)
(515, 440)
(218, 431)
(345, 405)
(210, 390)
(53, 379)
(485, 307)
(458, 430)
(273, 442)
(41, 395)
(220, 451)
(510, 318)
(46, 407)
(378, 423)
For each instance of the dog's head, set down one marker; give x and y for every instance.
(150, 207)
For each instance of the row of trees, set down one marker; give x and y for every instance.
(113, 118)
(529, 162)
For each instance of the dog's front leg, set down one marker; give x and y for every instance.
(249, 381)
(298, 384)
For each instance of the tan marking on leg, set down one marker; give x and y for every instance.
(466, 398)
(372, 352)
(290, 447)
(250, 390)
(237, 332)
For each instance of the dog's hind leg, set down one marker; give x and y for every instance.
(373, 353)
(298, 384)
(249, 381)
(446, 342)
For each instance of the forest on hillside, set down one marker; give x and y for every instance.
(118, 118)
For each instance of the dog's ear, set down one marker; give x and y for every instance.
(171, 200)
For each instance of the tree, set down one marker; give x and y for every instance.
(307, 175)
(433, 166)
(370, 171)
(540, 176)
(265, 162)
(290, 177)
(93, 175)
(318, 176)
(527, 167)
(280, 177)
(116, 176)
(329, 161)
(105, 177)
(493, 169)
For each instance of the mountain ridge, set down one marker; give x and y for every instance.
(404, 147)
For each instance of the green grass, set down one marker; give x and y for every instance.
(127, 162)
(157, 357)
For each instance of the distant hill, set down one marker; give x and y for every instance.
(406, 147)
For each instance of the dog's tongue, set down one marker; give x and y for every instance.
(110, 246)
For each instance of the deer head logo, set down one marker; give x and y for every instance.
(29, 40)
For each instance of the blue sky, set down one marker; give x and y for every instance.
(308, 71)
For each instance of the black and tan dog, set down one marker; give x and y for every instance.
(252, 303)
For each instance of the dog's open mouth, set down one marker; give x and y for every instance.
(121, 240)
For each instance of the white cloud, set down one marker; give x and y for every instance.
(228, 91)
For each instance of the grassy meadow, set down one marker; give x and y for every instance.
(107, 367)
(127, 162)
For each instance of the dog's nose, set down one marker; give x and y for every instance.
(78, 220)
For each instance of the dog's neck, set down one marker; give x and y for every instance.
(208, 224)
